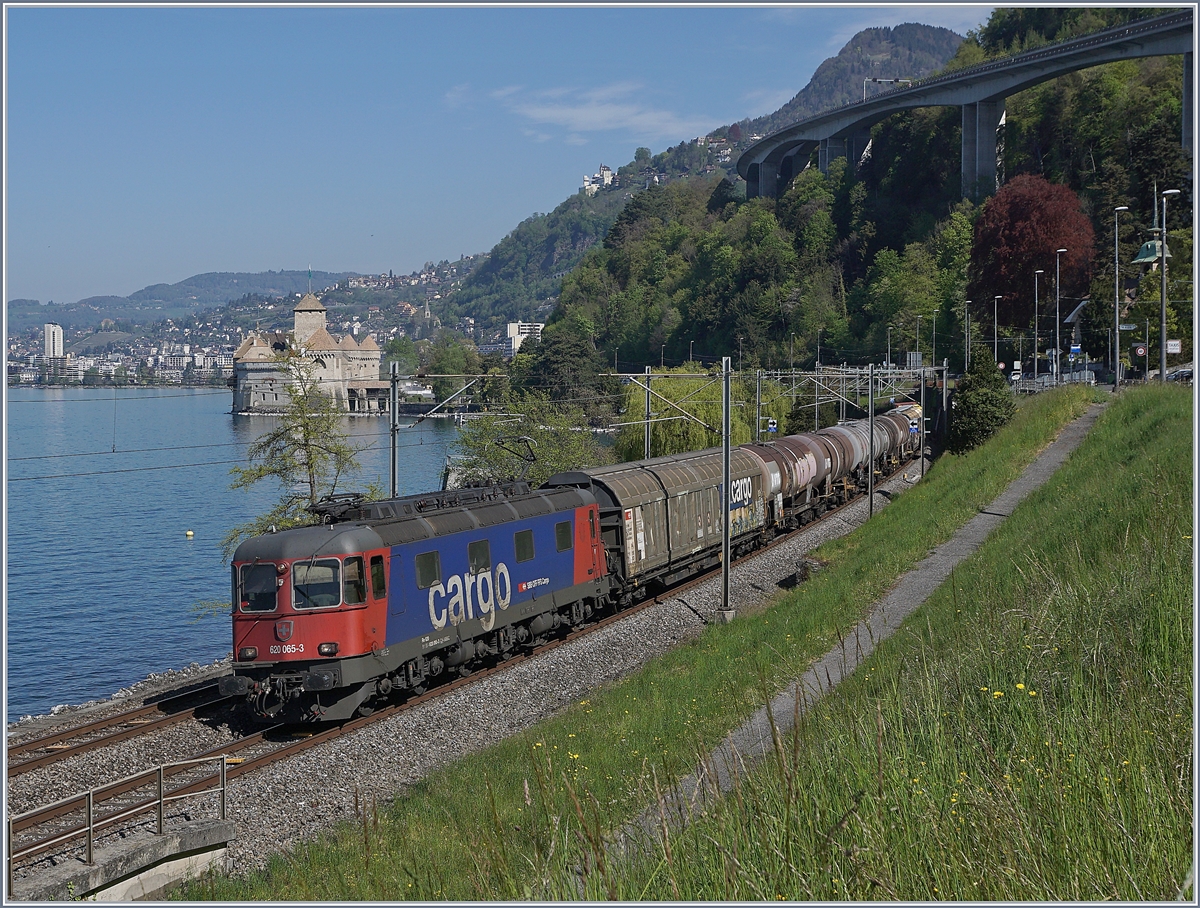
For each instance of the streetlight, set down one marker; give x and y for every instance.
(819, 330)
(918, 350)
(1035, 321)
(691, 344)
(1116, 348)
(889, 359)
(662, 356)
(995, 328)
(1057, 323)
(1162, 310)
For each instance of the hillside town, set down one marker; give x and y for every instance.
(202, 348)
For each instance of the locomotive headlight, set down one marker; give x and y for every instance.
(328, 649)
(247, 654)
(281, 568)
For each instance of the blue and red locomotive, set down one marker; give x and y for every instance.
(385, 597)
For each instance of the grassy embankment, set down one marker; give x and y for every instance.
(929, 774)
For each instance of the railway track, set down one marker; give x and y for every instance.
(139, 802)
(65, 743)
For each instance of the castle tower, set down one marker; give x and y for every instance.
(309, 317)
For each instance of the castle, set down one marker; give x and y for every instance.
(348, 371)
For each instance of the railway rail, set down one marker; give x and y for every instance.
(62, 744)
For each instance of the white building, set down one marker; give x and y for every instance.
(516, 332)
(54, 339)
(601, 179)
(348, 371)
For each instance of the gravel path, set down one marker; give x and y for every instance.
(298, 799)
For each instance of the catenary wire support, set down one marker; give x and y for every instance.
(394, 413)
(647, 446)
(871, 435)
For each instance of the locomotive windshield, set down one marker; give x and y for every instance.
(317, 583)
(258, 587)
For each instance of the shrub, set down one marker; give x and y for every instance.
(981, 404)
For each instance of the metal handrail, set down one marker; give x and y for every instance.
(87, 801)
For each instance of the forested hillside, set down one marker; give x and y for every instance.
(862, 255)
(523, 271)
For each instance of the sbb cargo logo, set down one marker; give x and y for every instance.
(488, 590)
(532, 584)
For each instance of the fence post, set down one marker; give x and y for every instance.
(160, 800)
(90, 831)
(224, 777)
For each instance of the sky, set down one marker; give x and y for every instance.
(148, 144)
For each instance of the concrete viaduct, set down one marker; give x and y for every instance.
(768, 165)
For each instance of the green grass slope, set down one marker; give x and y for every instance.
(927, 775)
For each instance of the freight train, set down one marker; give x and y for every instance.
(384, 598)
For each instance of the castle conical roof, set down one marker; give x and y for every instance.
(368, 343)
(347, 343)
(321, 340)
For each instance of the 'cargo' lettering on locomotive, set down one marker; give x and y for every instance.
(464, 591)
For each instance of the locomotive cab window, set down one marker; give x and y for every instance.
(429, 570)
(354, 589)
(523, 542)
(317, 583)
(378, 577)
(257, 586)
(479, 556)
(562, 535)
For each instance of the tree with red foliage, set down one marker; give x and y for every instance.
(1017, 233)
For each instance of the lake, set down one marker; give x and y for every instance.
(103, 485)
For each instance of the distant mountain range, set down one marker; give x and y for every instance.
(526, 266)
(159, 301)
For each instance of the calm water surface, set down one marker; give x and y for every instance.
(101, 576)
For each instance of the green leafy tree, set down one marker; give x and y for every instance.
(687, 413)
(565, 365)
(450, 356)
(489, 447)
(307, 454)
(401, 350)
(981, 404)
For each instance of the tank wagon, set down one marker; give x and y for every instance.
(386, 597)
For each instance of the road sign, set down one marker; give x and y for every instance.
(1127, 327)
(1139, 350)
(1076, 348)
(1174, 346)
(772, 425)
(1001, 365)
